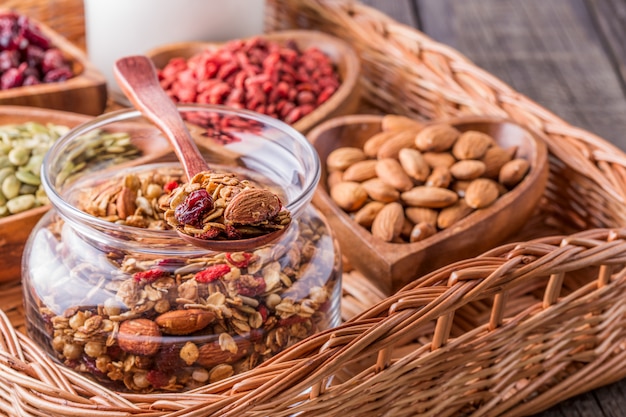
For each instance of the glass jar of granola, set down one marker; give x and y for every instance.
(112, 291)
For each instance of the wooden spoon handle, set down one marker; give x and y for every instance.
(137, 78)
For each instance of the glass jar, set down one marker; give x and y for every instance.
(111, 291)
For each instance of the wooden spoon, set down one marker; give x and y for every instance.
(137, 78)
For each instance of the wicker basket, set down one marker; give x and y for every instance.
(511, 332)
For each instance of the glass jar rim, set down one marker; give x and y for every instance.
(69, 212)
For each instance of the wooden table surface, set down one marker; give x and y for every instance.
(567, 55)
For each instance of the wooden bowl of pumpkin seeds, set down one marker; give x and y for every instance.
(26, 133)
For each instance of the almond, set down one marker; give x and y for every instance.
(398, 122)
(341, 158)
(390, 172)
(440, 176)
(391, 148)
(125, 203)
(421, 231)
(211, 354)
(436, 138)
(431, 197)
(513, 172)
(366, 214)
(139, 337)
(179, 322)
(388, 222)
(436, 159)
(414, 164)
(348, 195)
(467, 169)
(495, 157)
(334, 178)
(452, 214)
(421, 215)
(373, 144)
(377, 190)
(481, 192)
(251, 206)
(360, 171)
(472, 144)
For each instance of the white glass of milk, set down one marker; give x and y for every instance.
(117, 28)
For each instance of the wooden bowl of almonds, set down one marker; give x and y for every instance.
(406, 197)
(301, 77)
(26, 133)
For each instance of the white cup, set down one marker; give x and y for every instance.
(117, 28)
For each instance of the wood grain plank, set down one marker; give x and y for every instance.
(610, 19)
(549, 51)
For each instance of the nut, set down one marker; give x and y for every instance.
(349, 195)
(513, 172)
(436, 138)
(421, 231)
(211, 354)
(467, 169)
(139, 337)
(414, 164)
(452, 214)
(378, 190)
(373, 144)
(472, 144)
(179, 322)
(481, 192)
(341, 158)
(494, 158)
(398, 122)
(251, 206)
(366, 214)
(393, 145)
(431, 197)
(360, 171)
(390, 172)
(125, 203)
(388, 222)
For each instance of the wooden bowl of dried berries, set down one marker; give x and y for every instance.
(40, 68)
(27, 134)
(299, 77)
(407, 197)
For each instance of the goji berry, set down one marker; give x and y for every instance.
(212, 273)
(263, 311)
(150, 275)
(170, 186)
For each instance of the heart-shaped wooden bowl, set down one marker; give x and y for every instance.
(85, 93)
(15, 228)
(344, 101)
(392, 265)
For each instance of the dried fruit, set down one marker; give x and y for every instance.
(194, 207)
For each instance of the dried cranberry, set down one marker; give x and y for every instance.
(52, 59)
(31, 80)
(9, 59)
(168, 358)
(158, 379)
(210, 233)
(212, 273)
(34, 55)
(32, 33)
(232, 232)
(194, 207)
(57, 75)
(250, 286)
(90, 364)
(13, 77)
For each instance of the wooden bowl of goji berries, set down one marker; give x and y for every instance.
(40, 68)
(406, 197)
(298, 76)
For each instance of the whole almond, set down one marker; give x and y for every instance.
(388, 222)
(252, 205)
(437, 159)
(421, 215)
(373, 144)
(377, 190)
(334, 178)
(180, 322)
(452, 214)
(139, 337)
(414, 164)
(390, 172)
(125, 203)
(481, 192)
(398, 122)
(460, 187)
(366, 214)
(211, 354)
(431, 197)
(495, 157)
(402, 139)
(472, 144)
(513, 172)
(421, 231)
(341, 158)
(467, 169)
(436, 138)
(349, 195)
(440, 176)
(360, 171)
